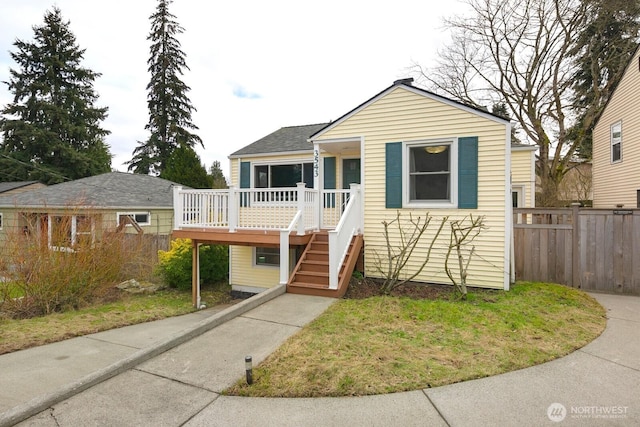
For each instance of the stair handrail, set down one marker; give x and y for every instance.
(284, 247)
(340, 238)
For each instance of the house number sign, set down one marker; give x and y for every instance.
(316, 163)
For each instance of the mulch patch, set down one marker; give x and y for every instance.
(365, 288)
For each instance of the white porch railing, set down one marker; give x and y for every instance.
(340, 238)
(284, 209)
(249, 209)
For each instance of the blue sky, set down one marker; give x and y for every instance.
(255, 66)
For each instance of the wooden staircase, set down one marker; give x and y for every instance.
(311, 274)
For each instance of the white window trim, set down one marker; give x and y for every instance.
(612, 142)
(277, 163)
(74, 232)
(292, 259)
(521, 194)
(1, 220)
(406, 197)
(133, 213)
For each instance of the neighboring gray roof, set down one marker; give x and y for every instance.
(8, 186)
(291, 138)
(109, 190)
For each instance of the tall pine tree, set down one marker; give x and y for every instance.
(184, 167)
(51, 130)
(170, 109)
(602, 51)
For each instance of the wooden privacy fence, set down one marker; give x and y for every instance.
(591, 249)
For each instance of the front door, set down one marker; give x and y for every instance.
(350, 172)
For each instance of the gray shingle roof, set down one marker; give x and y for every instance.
(8, 186)
(109, 190)
(291, 138)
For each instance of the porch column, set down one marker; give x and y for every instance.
(318, 182)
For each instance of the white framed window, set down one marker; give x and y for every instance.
(66, 232)
(430, 173)
(142, 218)
(616, 142)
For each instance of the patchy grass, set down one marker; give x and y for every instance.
(127, 309)
(386, 344)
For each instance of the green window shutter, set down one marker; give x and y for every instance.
(330, 180)
(468, 172)
(330, 173)
(393, 175)
(245, 181)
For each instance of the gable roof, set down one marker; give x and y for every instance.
(286, 139)
(8, 186)
(109, 190)
(406, 84)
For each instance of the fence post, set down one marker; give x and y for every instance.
(575, 241)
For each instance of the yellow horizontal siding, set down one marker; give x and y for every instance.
(617, 183)
(402, 115)
(243, 272)
(521, 174)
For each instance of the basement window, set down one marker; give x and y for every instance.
(267, 256)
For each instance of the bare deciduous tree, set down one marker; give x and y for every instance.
(517, 52)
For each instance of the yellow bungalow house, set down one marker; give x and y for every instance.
(616, 159)
(308, 202)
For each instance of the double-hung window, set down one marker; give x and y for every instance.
(430, 174)
(616, 142)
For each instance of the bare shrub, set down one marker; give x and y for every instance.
(399, 250)
(61, 263)
(463, 233)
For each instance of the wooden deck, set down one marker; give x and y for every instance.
(269, 238)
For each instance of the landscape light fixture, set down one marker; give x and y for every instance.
(249, 369)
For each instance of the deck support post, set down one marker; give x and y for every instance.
(195, 274)
(284, 257)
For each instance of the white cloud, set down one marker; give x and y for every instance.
(255, 66)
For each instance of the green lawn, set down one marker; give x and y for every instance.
(388, 344)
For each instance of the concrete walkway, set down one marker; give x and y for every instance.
(172, 372)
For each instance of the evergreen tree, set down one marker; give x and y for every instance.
(170, 109)
(602, 51)
(217, 177)
(51, 130)
(184, 167)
